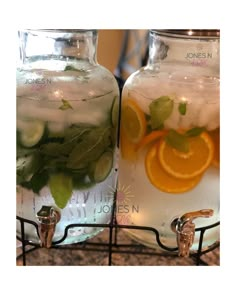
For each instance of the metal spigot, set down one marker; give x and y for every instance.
(47, 217)
(185, 229)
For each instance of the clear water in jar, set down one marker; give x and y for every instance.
(66, 147)
(169, 162)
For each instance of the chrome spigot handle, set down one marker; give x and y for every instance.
(47, 217)
(185, 229)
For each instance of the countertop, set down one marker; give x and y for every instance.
(85, 254)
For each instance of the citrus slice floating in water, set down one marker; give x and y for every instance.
(153, 136)
(133, 121)
(190, 164)
(161, 179)
(215, 135)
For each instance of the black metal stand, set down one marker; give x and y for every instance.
(112, 245)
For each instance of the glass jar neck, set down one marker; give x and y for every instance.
(58, 44)
(201, 51)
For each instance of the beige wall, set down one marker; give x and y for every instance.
(110, 43)
(109, 46)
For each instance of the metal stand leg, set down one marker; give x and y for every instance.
(22, 226)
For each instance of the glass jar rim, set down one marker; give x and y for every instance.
(60, 30)
(189, 33)
(57, 33)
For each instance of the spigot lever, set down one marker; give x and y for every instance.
(185, 229)
(47, 217)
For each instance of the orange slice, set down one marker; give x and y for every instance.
(154, 135)
(128, 149)
(187, 165)
(133, 121)
(161, 179)
(215, 135)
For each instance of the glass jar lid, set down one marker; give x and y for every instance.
(189, 33)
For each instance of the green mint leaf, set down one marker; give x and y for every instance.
(38, 181)
(177, 141)
(90, 148)
(58, 163)
(160, 109)
(194, 131)
(71, 68)
(61, 188)
(65, 105)
(54, 149)
(56, 154)
(66, 148)
(182, 108)
(76, 133)
(83, 73)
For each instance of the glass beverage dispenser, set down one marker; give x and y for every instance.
(67, 116)
(170, 135)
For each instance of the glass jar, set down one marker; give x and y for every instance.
(67, 116)
(170, 130)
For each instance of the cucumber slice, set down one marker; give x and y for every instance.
(23, 168)
(102, 167)
(32, 134)
(115, 111)
(27, 166)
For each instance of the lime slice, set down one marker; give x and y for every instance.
(32, 134)
(102, 167)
